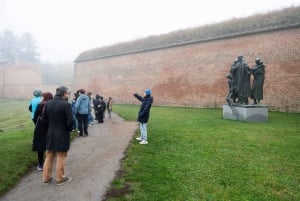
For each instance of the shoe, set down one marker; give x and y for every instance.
(144, 142)
(39, 167)
(48, 181)
(138, 139)
(64, 181)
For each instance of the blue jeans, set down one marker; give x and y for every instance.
(90, 118)
(143, 128)
(75, 123)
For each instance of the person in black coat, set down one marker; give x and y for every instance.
(40, 130)
(144, 114)
(99, 107)
(58, 115)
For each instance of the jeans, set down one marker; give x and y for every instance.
(143, 128)
(90, 118)
(82, 119)
(75, 122)
(109, 113)
(60, 165)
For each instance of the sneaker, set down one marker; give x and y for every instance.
(39, 167)
(64, 181)
(138, 139)
(144, 142)
(47, 182)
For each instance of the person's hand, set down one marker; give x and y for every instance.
(133, 92)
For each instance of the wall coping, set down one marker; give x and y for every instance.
(293, 26)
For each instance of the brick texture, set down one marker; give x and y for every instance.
(194, 74)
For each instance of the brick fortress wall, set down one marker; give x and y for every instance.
(19, 80)
(194, 74)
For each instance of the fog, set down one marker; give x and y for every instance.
(64, 29)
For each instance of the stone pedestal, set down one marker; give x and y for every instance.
(249, 113)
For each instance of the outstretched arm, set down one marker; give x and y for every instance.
(139, 97)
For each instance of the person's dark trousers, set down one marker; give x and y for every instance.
(82, 123)
(100, 117)
(41, 158)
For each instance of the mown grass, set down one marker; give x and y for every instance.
(194, 154)
(16, 133)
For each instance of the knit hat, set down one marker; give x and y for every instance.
(37, 93)
(147, 91)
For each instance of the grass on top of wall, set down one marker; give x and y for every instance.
(195, 154)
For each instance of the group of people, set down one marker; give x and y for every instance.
(54, 118)
(82, 107)
(239, 81)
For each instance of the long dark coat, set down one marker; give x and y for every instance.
(40, 131)
(259, 76)
(144, 112)
(99, 107)
(58, 114)
(243, 84)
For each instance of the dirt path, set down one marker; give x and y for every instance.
(92, 162)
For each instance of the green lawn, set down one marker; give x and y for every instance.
(16, 132)
(193, 154)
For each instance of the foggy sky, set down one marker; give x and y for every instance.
(65, 28)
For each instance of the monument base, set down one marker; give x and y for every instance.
(249, 113)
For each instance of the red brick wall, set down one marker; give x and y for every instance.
(19, 80)
(194, 75)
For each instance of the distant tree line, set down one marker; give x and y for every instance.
(24, 48)
(18, 48)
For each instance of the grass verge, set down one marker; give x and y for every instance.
(16, 133)
(194, 154)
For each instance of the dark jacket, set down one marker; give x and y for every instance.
(58, 114)
(144, 112)
(40, 130)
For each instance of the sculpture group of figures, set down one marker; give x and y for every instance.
(239, 81)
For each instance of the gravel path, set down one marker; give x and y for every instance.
(92, 163)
